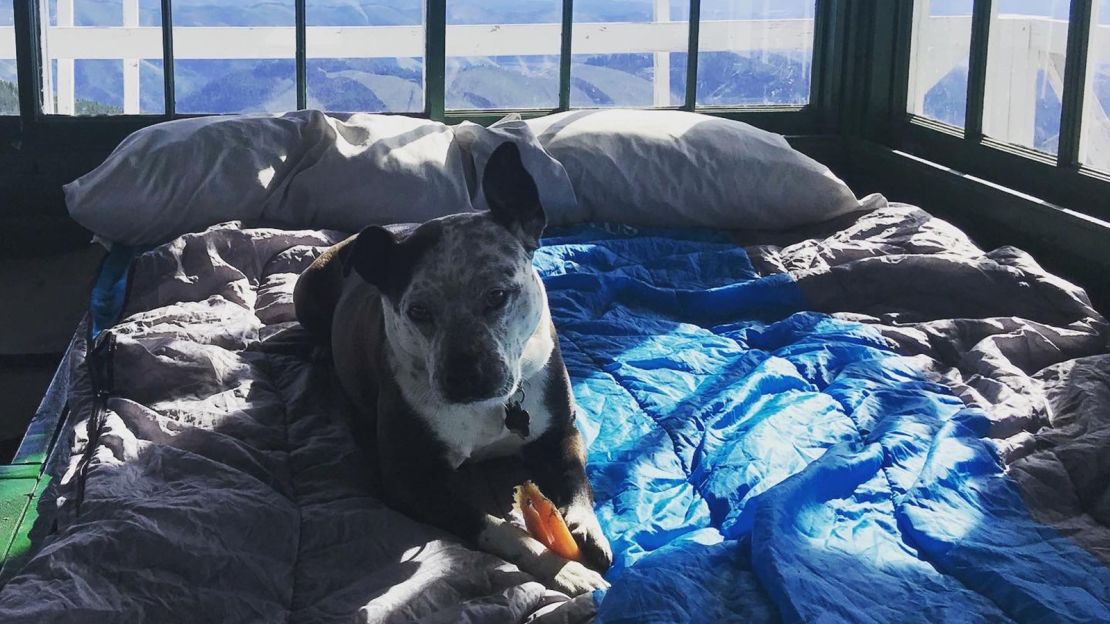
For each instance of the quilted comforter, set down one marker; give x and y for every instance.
(869, 421)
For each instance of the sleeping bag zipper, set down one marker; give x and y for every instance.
(99, 363)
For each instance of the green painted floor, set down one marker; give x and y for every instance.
(42, 299)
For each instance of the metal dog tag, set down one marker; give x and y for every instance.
(517, 418)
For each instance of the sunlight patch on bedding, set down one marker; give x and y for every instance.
(266, 176)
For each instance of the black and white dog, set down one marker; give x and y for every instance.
(441, 334)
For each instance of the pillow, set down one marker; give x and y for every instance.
(306, 169)
(373, 170)
(674, 168)
(302, 169)
(184, 175)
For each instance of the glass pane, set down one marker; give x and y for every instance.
(503, 55)
(1094, 148)
(630, 53)
(939, 50)
(9, 90)
(103, 57)
(755, 52)
(9, 82)
(234, 57)
(365, 57)
(1025, 72)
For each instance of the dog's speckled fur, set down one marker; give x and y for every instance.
(434, 384)
(450, 281)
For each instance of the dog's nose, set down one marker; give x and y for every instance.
(469, 377)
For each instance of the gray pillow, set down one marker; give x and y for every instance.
(303, 170)
(674, 168)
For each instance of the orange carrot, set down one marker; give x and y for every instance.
(545, 523)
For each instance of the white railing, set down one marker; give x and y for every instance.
(276, 42)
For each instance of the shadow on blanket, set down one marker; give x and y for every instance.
(261, 512)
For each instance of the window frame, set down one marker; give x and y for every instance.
(1061, 179)
(819, 115)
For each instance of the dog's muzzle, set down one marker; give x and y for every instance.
(468, 377)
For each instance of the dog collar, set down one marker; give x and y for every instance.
(516, 417)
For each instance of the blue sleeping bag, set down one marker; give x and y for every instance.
(753, 461)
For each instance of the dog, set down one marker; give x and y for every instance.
(441, 336)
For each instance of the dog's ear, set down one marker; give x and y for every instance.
(387, 259)
(370, 254)
(512, 196)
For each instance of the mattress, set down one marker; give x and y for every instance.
(871, 420)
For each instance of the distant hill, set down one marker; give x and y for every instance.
(9, 103)
(727, 79)
(946, 102)
(9, 98)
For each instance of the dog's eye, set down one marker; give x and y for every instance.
(496, 298)
(419, 313)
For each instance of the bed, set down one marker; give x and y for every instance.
(866, 419)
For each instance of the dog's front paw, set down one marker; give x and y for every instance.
(583, 525)
(574, 578)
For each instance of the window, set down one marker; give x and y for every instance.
(232, 56)
(939, 52)
(629, 53)
(105, 57)
(755, 52)
(503, 55)
(1025, 72)
(1034, 99)
(101, 57)
(9, 89)
(1094, 145)
(364, 56)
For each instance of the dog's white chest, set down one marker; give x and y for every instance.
(476, 433)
